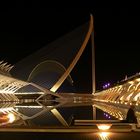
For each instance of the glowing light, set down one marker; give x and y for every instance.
(106, 85)
(11, 117)
(26, 93)
(104, 136)
(131, 82)
(104, 126)
(3, 118)
(120, 118)
(138, 79)
(18, 106)
(16, 109)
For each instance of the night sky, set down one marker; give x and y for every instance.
(117, 39)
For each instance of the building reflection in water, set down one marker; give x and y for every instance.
(7, 118)
(115, 111)
(42, 113)
(104, 135)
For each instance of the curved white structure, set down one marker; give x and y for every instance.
(126, 92)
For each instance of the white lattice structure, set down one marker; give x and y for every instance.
(8, 84)
(115, 111)
(9, 87)
(126, 92)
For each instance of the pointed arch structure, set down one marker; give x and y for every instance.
(75, 59)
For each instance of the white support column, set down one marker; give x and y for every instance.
(93, 70)
(93, 63)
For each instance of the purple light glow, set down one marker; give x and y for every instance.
(106, 85)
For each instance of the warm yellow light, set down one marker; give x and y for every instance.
(104, 126)
(120, 118)
(131, 82)
(103, 134)
(138, 79)
(11, 117)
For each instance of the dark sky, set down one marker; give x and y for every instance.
(117, 38)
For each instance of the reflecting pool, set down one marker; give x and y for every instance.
(28, 113)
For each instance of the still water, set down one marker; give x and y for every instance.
(50, 115)
(29, 113)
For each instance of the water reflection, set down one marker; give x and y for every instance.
(103, 135)
(7, 118)
(118, 112)
(11, 117)
(15, 112)
(55, 113)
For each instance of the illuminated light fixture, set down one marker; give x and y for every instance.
(103, 135)
(120, 118)
(136, 104)
(11, 117)
(106, 85)
(103, 126)
(106, 115)
(125, 103)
